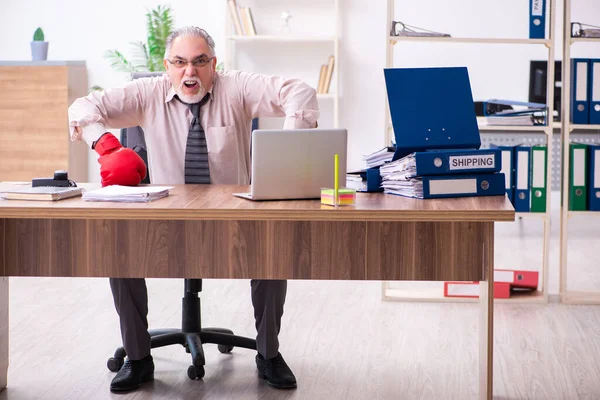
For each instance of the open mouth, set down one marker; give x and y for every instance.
(191, 84)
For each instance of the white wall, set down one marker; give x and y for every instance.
(81, 30)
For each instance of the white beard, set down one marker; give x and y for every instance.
(191, 99)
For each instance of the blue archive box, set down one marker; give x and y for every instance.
(463, 185)
(431, 108)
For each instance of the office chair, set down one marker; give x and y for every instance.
(191, 335)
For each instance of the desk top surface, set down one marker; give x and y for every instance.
(216, 202)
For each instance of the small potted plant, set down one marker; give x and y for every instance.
(39, 48)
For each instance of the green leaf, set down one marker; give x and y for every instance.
(139, 56)
(38, 35)
(118, 61)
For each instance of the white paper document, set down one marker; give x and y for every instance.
(133, 194)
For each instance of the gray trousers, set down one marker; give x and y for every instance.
(131, 302)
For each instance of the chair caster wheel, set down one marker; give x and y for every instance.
(195, 372)
(223, 348)
(115, 364)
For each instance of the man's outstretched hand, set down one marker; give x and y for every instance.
(118, 165)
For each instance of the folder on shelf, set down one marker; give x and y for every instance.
(367, 180)
(443, 162)
(578, 177)
(471, 289)
(431, 108)
(537, 19)
(517, 113)
(579, 101)
(594, 177)
(517, 279)
(444, 186)
(539, 159)
(522, 178)
(594, 95)
(507, 169)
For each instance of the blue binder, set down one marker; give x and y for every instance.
(522, 178)
(441, 162)
(463, 185)
(594, 94)
(507, 169)
(594, 177)
(431, 108)
(371, 178)
(580, 103)
(537, 19)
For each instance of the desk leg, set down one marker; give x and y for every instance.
(3, 332)
(486, 321)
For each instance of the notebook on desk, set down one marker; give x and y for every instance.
(40, 193)
(295, 163)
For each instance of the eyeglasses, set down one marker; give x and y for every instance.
(198, 63)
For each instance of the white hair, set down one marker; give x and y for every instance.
(190, 31)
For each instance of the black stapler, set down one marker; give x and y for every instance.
(60, 179)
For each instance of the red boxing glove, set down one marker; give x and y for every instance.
(118, 165)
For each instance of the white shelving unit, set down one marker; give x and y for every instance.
(422, 293)
(566, 295)
(236, 43)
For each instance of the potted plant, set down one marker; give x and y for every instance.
(146, 56)
(39, 48)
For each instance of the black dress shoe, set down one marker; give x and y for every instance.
(276, 372)
(132, 374)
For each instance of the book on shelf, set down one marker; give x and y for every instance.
(322, 74)
(127, 194)
(243, 22)
(233, 12)
(40, 193)
(325, 74)
(248, 21)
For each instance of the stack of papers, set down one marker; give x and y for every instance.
(579, 29)
(402, 29)
(128, 194)
(516, 120)
(519, 114)
(398, 177)
(379, 157)
(404, 186)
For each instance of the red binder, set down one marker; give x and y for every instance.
(471, 289)
(517, 279)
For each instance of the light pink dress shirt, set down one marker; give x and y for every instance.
(236, 98)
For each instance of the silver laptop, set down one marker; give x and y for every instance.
(295, 163)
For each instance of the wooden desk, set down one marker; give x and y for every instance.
(205, 232)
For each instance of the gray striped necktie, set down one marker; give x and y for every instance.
(196, 152)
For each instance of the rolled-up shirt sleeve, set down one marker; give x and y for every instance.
(110, 109)
(274, 96)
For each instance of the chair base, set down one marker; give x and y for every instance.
(192, 336)
(192, 342)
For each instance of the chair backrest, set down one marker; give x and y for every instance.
(133, 137)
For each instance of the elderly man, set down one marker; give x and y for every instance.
(197, 125)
